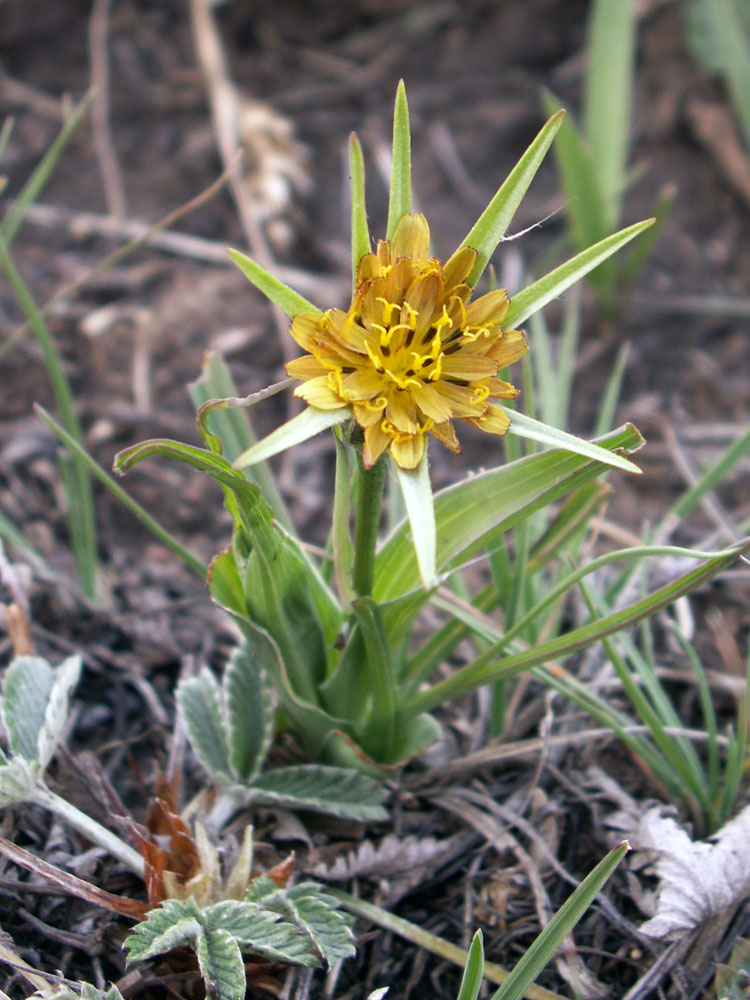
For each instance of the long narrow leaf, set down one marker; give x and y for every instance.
(420, 510)
(528, 301)
(487, 668)
(544, 947)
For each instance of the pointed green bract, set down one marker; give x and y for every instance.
(524, 426)
(471, 980)
(289, 301)
(399, 202)
(360, 230)
(526, 302)
(300, 428)
(493, 223)
(417, 493)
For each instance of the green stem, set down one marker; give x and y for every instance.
(92, 830)
(369, 498)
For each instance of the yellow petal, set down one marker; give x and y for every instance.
(402, 412)
(502, 390)
(369, 413)
(456, 269)
(411, 238)
(446, 435)
(306, 367)
(363, 383)
(376, 441)
(407, 450)
(493, 421)
(461, 398)
(422, 297)
(319, 394)
(368, 267)
(488, 308)
(431, 402)
(468, 366)
(509, 348)
(304, 329)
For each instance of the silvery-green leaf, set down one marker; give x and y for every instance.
(199, 700)
(317, 914)
(337, 791)
(249, 713)
(58, 708)
(221, 965)
(261, 930)
(16, 781)
(174, 923)
(27, 686)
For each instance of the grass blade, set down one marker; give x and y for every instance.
(360, 230)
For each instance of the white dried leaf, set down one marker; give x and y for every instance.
(698, 881)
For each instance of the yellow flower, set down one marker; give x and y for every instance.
(412, 353)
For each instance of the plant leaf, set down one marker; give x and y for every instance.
(337, 791)
(260, 930)
(295, 431)
(249, 713)
(420, 510)
(317, 914)
(544, 947)
(221, 965)
(527, 427)
(495, 500)
(289, 301)
(27, 687)
(200, 703)
(16, 781)
(174, 923)
(399, 201)
(58, 708)
(471, 980)
(492, 224)
(535, 296)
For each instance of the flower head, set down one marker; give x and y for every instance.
(412, 353)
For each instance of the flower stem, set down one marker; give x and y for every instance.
(92, 830)
(369, 498)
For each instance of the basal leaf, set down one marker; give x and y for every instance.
(58, 708)
(16, 781)
(27, 687)
(249, 713)
(260, 930)
(317, 914)
(199, 700)
(337, 791)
